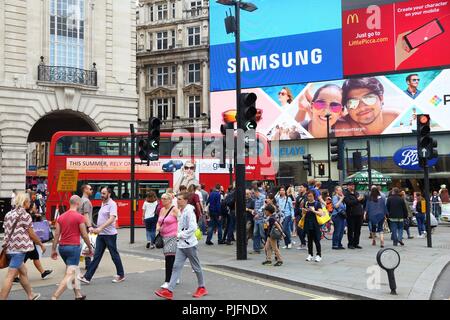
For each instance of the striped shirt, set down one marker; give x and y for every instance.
(19, 241)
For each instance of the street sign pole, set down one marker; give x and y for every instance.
(369, 164)
(426, 194)
(133, 183)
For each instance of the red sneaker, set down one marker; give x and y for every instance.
(200, 292)
(164, 293)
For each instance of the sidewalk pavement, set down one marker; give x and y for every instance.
(353, 273)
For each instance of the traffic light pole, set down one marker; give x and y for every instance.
(241, 247)
(369, 165)
(133, 183)
(330, 189)
(426, 194)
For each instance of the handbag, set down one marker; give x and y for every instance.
(301, 223)
(321, 220)
(4, 261)
(43, 231)
(159, 242)
(275, 233)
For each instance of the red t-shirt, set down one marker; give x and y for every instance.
(69, 223)
(193, 201)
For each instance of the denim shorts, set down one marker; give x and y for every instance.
(70, 255)
(16, 260)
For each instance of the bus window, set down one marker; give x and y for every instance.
(159, 187)
(71, 145)
(109, 146)
(125, 147)
(125, 189)
(97, 187)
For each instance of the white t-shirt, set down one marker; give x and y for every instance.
(149, 209)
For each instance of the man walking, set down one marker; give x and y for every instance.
(355, 214)
(299, 204)
(107, 238)
(186, 249)
(258, 216)
(85, 209)
(215, 218)
(69, 227)
(231, 204)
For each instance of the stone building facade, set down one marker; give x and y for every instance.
(64, 65)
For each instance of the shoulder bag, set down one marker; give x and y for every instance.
(275, 233)
(159, 242)
(4, 261)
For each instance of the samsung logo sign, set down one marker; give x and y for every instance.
(408, 159)
(277, 61)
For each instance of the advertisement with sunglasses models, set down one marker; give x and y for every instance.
(404, 35)
(282, 42)
(366, 106)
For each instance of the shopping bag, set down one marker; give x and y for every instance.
(324, 218)
(84, 247)
(198, 234)
(43, 231)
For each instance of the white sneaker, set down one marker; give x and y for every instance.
(178, 281)
(421, 236)
(289, 246)
(118, 279)
(284, 247)
(318, 259)
(310, 258)
(165, 285)
(83, 279)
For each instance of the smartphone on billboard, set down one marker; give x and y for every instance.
(423, 34)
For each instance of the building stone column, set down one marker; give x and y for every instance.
(143, 112)
(13, 168)
(205, 87)
(180, 94)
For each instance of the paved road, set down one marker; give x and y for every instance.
(147, 274)
(442, 287)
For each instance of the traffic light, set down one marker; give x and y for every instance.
(223, 130)
(154, 128)
(321, 169)
(143, 150)
(307, 164)
(357, 160)
(247, 105)
(337, 152)
(426, 145)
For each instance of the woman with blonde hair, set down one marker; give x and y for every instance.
(19, 239)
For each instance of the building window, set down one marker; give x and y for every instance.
(174, 75)
(149, 41)
(194, 107)
(194, 72)
(151, 77)
(173, 39)
(67, 33)
(173, 108)
(162, 11)
(173, 10)
(151, 17)
(196, 7)
(194, 36)
(163, 76)
(162, 40)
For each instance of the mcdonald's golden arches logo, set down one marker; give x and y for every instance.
(352, 18)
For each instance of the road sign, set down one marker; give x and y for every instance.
(250, 125)
(67, 181)
(153, 156)
(154, 144)
(424, 152)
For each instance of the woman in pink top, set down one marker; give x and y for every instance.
(168, 227)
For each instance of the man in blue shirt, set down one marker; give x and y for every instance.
(412, 81)
(287, 210)
(258, 216)
(215, 219)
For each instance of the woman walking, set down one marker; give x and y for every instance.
(376, 212)
(19, 239)
(398, 212)
(150, 211)
(167, 227)
(338, 216)
(311, 210)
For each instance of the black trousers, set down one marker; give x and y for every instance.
(314, 237)
(354, 224)
(170, 260)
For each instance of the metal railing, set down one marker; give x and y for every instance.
(67, 75)
(172, 124)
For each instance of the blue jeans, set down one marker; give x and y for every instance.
(287, 229)
(70, 254)
(16, 260)
(150, 228)
(258, 235)
(338, 234)
(103, 242)
(215, 220)
(231, 226)
(397, 231)
(203, 224)
(420, 222)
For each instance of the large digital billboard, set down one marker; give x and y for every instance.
(358, 106)
(282, 42)
(405, 35)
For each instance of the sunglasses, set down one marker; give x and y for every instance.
(282, 93)
(322, 104)
(368, 100)
(189, 168)
(415, 80)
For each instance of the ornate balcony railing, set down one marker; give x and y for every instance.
(185, 123)
(67, 75)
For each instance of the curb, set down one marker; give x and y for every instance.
(424, 285)
(330, 289)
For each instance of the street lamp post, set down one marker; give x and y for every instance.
(328, 115)
(241, 247)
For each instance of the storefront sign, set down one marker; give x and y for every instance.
(408, 159)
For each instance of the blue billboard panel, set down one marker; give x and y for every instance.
(290, 42)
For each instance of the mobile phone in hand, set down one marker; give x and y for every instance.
(423, 34)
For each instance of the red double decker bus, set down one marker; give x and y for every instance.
(103, 159)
